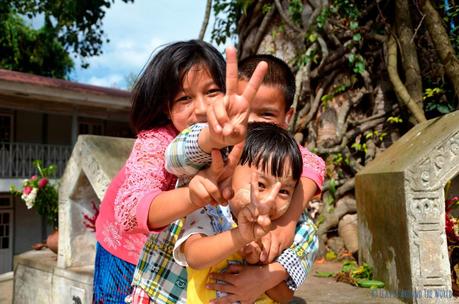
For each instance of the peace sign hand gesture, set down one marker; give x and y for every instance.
(228, 116)
(253, 220)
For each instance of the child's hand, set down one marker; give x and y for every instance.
(213, 185)
(253, 220)
(263, 202)
(251, 253)
(227, 116)
(204, 186)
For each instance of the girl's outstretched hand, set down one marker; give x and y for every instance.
(213, 185)
(228, 116)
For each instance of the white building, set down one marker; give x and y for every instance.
(40, 118)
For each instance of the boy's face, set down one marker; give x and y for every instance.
(268, 105)
(266, 182)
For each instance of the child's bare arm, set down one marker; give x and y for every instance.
(281, 293)
(202, 190)
(204, 251)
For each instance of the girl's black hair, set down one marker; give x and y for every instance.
(161, 80)
(269, 145)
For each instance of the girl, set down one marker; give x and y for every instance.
(172, 93)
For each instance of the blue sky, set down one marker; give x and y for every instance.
(135, 30)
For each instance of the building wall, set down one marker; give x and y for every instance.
(28, 127)
(28, 227)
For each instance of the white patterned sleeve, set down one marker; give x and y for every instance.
(197, 222)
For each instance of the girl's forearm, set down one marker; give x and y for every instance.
(205, 251)
(169, 206)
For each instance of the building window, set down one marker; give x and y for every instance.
(91, 127)
(6, 127)
(6, 201)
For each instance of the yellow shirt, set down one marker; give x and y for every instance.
(197, 280)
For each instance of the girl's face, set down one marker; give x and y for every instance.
(190, 104)
(266, 182)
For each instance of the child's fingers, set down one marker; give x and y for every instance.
(213, 122)
(267, 203)
(231, 71)
(220, 112)
(255, 81)
(217, 165)
(234, 156)
(264, 221)
(254, 193)
(199, 195)
(213, 191)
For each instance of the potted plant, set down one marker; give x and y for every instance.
(40, 193)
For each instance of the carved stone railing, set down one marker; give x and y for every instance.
(401, 209)
(16, 159)
(41, 279)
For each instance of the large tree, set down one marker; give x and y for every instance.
(366, 72)
(70, 28)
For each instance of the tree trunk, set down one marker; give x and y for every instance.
(442, 44)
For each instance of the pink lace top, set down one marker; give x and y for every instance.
(313, 167)
(121, 227)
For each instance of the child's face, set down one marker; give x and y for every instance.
(268, 105)
(266, 182)
(190, 104)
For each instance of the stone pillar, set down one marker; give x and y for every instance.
(94, 162)
(401, 207)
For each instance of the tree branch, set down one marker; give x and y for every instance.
(442, 44)
(285, 18)
(413, 81)
(399, 88)
(205, 22)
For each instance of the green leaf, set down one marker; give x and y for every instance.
(357, 37)
(353, 25)
(370, 283)
(351, 58)
(330, 256)
(324, 274)
(312, 37)
(443, 108)
(359, 67)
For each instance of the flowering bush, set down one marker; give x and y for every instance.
(452, 236)
(38, 192)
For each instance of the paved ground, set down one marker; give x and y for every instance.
(314, 291)
(328, 291)
(6, 289)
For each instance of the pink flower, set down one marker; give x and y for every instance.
(34, 177)
(27, 190)
(43, 182)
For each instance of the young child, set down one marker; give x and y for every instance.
(271, 104)
(137, 201)
(213, 235)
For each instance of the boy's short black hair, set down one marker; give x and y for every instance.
(161, 79)
(266, 145)
(279, 74)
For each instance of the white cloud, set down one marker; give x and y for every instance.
(112, 81)
(135, 30)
